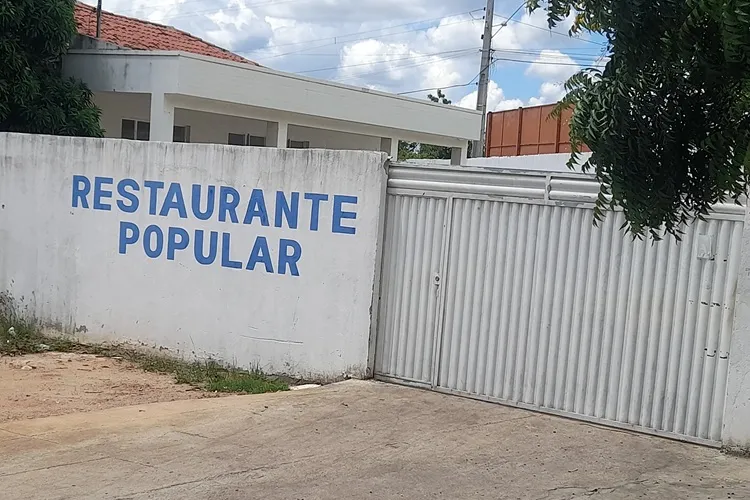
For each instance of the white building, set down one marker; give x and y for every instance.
(154, 82)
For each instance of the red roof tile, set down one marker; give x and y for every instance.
(138, 34)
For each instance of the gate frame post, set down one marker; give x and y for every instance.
(736, 431)
(379, 256)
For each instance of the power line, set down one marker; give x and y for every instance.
(495, 59)
(406, 66)
(489, 65)
(551, 31)
(520, 51)
(445, 87)
(423, 21)
(561, 60)
(227, 8)
(382, 61)
(540, 52)
(470, 82)
(344, 38)
(546, 63)
(505, 23)
(336, 40)
(456, 53)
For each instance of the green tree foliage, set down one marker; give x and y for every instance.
(439, 98)
(668, 118)
(415, 150)
(34, 97)
(408, 150)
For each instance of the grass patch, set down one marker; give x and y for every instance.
(19, 336)
(211, 375)
(251, 383)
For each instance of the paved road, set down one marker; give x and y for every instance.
(354, 440)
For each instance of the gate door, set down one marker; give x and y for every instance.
(410, 287)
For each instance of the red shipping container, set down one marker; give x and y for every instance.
(528, 131)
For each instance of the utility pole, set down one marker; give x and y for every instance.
(484, 76)
(98, 18)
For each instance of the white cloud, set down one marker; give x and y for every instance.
(508, 104)
(367, 56)
(549, 92)
(553, 65)
(496, 100)
(440, 56)
(145, 9)
(529, 31)
(391, 45)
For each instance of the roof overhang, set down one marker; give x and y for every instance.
(195, 79)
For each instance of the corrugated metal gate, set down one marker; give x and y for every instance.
(496, 285)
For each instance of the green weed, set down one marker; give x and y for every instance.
(19, 336)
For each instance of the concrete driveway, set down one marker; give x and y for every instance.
(354, 440)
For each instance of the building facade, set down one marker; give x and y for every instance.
(154, 82)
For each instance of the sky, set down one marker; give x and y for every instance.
(408, 47)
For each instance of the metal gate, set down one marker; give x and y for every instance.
(497, 286)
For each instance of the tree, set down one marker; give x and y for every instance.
(439, 98)
(415, 150)
(408, 150)
(429, 150)
(34, 96)
(668, 118)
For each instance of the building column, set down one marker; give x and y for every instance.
(162, 118)
(389, 145)
(459, 154)
(736, 431)
(276, 134)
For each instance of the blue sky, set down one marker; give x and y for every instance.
(396, 46)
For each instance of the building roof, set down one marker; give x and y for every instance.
(138, 34)
(236, 89)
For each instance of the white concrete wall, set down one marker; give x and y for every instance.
(73, 266)
(263, 87)
(214, 128)
(116, 106)
(328, 139)
(244, 90)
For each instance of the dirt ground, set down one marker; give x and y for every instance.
(48, 384)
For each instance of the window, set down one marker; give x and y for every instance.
(255, 140)
(181, 133)
(246, 140)
(142, 131)
(128, 129)
(236, 139)
(133, 129)
(297, 144)
(136, 129)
